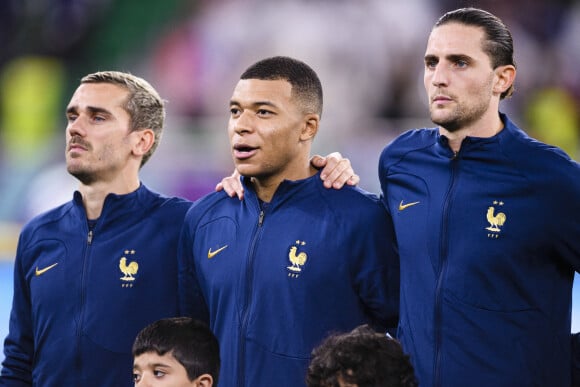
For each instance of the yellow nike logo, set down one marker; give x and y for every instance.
(42, 271)
(211, 254)
(404, 206)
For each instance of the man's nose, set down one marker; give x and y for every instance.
(439, 76)
(243, 123)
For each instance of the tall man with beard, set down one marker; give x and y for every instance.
(487, 222)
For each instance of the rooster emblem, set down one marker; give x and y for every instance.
(495, 221)
(128, 270)
(296, 260)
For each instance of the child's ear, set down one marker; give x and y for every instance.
(205, 380)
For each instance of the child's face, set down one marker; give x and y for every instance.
(150, 369)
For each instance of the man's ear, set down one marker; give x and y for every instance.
(506, 76)
(204, 380)
(311, 123)
(144, 141)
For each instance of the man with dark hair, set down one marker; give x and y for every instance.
(277, 272)
(487, 221)
(176, 352)
(360, 358)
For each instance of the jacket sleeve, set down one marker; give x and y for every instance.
(575, 341)
(191, 300)
(19, 344)
(571, 252)
(566, 219)
(558, 187)
(377, 268)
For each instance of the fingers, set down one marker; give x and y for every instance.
(353, 180)
(341, 174)
(232, 185)
(337, 172)
(318, 161)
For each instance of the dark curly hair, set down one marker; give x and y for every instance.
(362, 357)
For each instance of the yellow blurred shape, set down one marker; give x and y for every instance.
(31, 90)
(553, 118)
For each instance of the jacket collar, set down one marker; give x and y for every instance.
(119, 206)
(286, 189)
(477, 142)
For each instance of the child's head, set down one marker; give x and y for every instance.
(360, 358)
(176, 352)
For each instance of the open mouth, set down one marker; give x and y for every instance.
(243, 151)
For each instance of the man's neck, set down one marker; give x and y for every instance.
(483, 128)
(94, 195)
(266, 187)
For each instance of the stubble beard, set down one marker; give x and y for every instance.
(82, 174)
(462, 115)
(460, 118)
(451, 125)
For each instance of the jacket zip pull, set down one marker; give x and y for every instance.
(261, 219)
(90, 237)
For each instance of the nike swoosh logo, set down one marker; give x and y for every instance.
(42, 271)
(211, 254)
(405, 206)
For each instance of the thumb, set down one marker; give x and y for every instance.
(318, 161)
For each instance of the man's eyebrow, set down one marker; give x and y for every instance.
(450, 57)
(91, 109)
(255, 104)
(458, 57)
(95, 110)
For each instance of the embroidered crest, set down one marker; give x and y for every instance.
(495, 219)
(296, 260)
(128, 270)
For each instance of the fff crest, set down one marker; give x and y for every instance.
(296, 259)
(129, 270)
(495, 218)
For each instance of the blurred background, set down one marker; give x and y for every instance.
(368, 54)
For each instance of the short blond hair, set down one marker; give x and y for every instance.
(145, 107)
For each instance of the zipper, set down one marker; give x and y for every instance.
(80, 359)
(261, 218)
(248, 300)
(443, 251)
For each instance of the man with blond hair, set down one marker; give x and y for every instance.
(91, 273)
